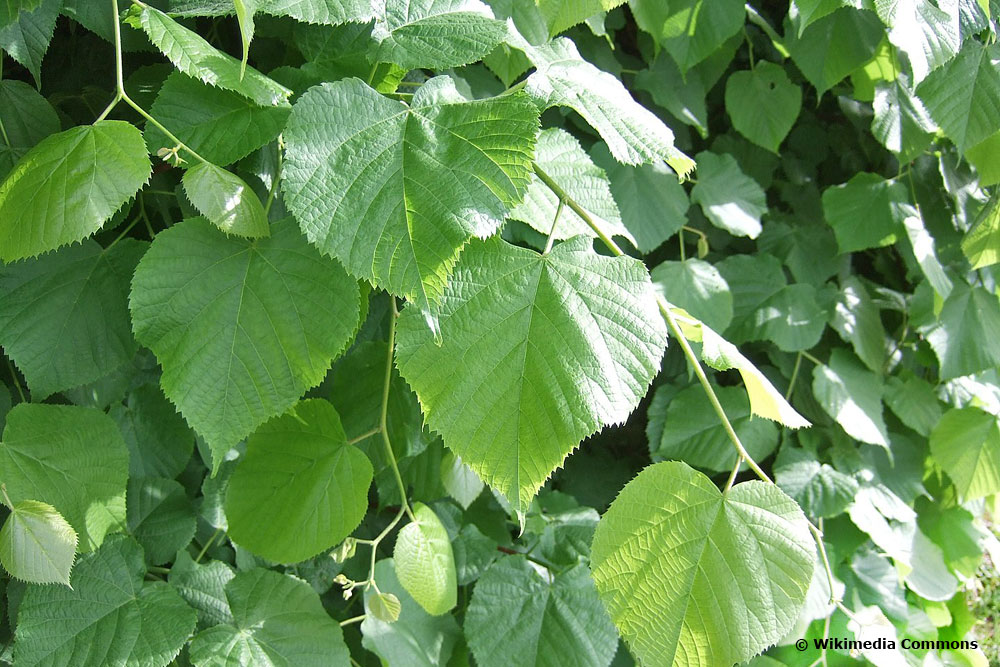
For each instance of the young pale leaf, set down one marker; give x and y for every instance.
(67, 186)
(538, 352)
(226, 200)
(560, 156)
(242, 328)
(159, 442)
(27, 37)
(866, 212)
(520, 616)
(981, 244)
(329, 12)
(37, 545)
(435, 34)
(634, 135)
(966, 443)
(425, 564)
(395, 191)
(277, 620)
(835, 45)
(818, 488)
(72, 458)
(64, 316)
(763, 104)
(459, 480)
(964, 334)
(692, 432)
(730, 199)
(191, 54)
(415, 639)
(653, 204)
(27, 118)
(160, 517)
(852, 396)
(245, 10)
(110, 614)
(300, 488)
(385, 607)
(963, 96)
(729, 571)
(219, 124)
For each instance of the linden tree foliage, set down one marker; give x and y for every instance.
(498, 332)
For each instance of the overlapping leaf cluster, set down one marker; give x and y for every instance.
(305, 328)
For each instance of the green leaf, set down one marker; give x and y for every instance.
(68, 185)
(866, 212)
(26, 117)
(981, 244)
(763, 104)
(963, 96)
(818, 488)
(983, 156)
(698, 288)
(834, 46)
(385, 607)
(966, 444)
(633, 134)
(924, 249)
(9, 9)
(652, 203)
(109, 614)
(693, 433)
(436, 34)
(203, 586)
(753, 279)
(218, 124)
(852, 396)
(191, 54)
(71, 458)
(416, 639)
(691, 30)
(929, 36)
(64, 316)
(244, 15)
(226, 200)
(562, 14)
(277, 620)
(729, 571)
(804, 12)
(521, 616)
(856, 318)
(159, 442)
(560, 156)
(242, 328)
(329, 12)
(913, 400)
(963, 336)
(395, 191)
(160, 517)
(37, 545)
(459, 480)
(300, 488)
(730, 199)
(27, 38)
(901, 122)
(425, 564)
(580, 341)
(791, 318)
(683, 95)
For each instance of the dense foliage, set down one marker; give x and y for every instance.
(340, 335)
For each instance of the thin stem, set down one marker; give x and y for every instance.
(795, 375)
(755, 18)
(365, 436)
(680, 239)
(3, 135)
(371, 73)
(732, 475)
(17, 382)
(125, 231)
(383, 417)
(277, 177)
(579, 210)
(211, 540)
(6, 498)
(158, 570)
(811, 358)
(818, 536)
(158, 125)
(355, 619)
(111, 105)
(552, 232)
